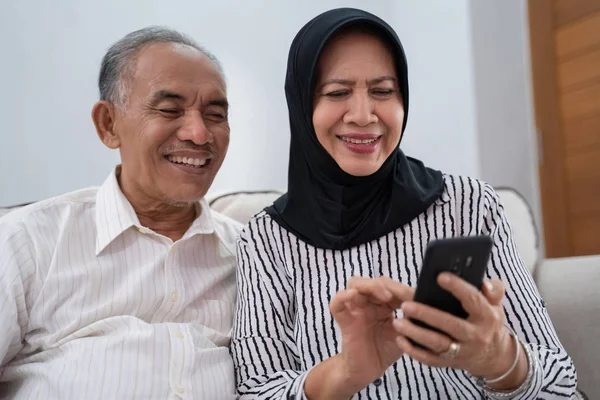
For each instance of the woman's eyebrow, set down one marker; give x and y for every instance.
(348, 82)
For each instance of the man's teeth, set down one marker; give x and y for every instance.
(196, 162)
(358, 141)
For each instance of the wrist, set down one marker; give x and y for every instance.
(517, 376)
(329, 380)
(502, 362)
(510, 368)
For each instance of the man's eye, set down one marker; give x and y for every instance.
(168, 111)
(216, 116)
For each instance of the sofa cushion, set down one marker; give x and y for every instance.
(570, 288)
(241, 206)
(6, 210)
(520, 218)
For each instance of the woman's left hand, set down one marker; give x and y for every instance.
(486, 348)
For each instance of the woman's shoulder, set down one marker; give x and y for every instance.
(460, 188)
(261, 226)
(258, 219)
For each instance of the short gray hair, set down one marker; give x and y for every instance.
(118, 63)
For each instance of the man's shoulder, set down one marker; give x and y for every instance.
(227, 229)
(49, 211)
(227, 225)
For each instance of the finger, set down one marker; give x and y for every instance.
(457, 328)
(400, 291)
(359, 300)
(472, 300)
(434, 341)
(383, 289)
(351, 301)
(339, 301)
(372, 288)
(494, 291)
(423, 356)
(342, 307)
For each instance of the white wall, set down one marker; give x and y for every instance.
(441, 128)
(471, 108)
(505, 117)
(51, 54)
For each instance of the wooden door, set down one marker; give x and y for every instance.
(565, 56)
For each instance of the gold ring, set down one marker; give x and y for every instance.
(452, 351)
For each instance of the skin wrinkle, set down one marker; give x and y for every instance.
(357, 93)
(195, 125)
(127, 75)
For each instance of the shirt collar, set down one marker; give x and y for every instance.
(115, 214)
(203, 224)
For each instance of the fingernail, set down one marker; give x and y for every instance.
(489, 286)
(408, 307)
(444, 278)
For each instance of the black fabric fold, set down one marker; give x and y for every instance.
(325, 206)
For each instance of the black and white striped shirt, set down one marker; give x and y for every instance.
(283, 326)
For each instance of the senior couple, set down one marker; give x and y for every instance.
(137, 290)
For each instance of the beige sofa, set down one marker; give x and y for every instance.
(569, 286)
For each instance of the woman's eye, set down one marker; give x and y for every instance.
(382, 92)
(337, 94)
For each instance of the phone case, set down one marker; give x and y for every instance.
(466, 257)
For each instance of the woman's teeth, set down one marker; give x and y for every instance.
(358, 141)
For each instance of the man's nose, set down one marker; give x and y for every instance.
(195, 130)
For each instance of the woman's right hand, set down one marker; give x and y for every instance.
(364, 313)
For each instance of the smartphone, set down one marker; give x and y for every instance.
(466, 256)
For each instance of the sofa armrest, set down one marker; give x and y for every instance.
(570, 287)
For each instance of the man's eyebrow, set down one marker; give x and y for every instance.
(164, 95)
(219, 102)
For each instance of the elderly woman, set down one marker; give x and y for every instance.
(327, 273)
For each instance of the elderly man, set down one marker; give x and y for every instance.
(127, 290)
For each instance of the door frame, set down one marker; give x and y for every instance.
(551, 153)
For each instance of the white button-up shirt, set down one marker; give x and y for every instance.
(95, 306)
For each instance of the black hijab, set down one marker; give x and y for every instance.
(325, 206)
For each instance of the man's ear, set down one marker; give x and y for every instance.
(103, 115)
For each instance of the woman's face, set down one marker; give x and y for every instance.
(358, 111)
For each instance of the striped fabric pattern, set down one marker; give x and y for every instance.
(283, 326)
(95, 306)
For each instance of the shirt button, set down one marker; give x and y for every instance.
(144, 230)
(174, 297)
(173, 249)
(180, 389)
(378, 382)
(180, 335)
